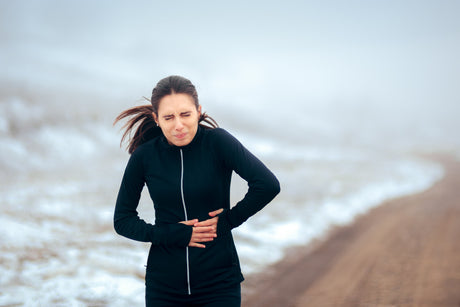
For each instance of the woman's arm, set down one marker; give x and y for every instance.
(126, 218)
(263, 185)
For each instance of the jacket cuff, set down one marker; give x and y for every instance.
(178, 235)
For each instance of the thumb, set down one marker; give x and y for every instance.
(214, 213)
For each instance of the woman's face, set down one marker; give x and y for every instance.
(178, 118)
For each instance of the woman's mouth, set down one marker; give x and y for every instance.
(181, 135)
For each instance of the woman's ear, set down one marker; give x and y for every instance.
(199, 111)
(155, 118)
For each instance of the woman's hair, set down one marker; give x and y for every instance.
(141, 126)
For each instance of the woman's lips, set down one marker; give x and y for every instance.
(181, 135)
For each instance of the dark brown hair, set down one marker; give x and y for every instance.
(140, 118)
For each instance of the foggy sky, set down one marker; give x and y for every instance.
(398, 59)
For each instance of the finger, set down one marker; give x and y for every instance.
(199, 229)
(197, 245)
(214, 213)
(206, 235)
(201, 240)
(189, 222)
(210, 222)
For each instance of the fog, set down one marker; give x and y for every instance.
(391, 66)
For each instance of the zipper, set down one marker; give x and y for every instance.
(186, 217)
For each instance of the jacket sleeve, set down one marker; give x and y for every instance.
(263, 186)
(126, 218)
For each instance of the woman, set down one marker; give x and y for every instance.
(187, 167)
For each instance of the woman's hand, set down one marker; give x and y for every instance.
(204, 231)
(200, 234)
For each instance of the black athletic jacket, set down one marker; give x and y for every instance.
(186, 183)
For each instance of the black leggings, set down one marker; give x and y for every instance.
(230, 297)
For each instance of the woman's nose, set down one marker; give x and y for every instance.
(179, 124)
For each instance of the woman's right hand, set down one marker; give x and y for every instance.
(200, 234)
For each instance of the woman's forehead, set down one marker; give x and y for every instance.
(176, 103)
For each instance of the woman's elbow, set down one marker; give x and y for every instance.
(118, 226)
(274, 188)
(277, 187)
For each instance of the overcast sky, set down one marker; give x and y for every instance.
(392, 56)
